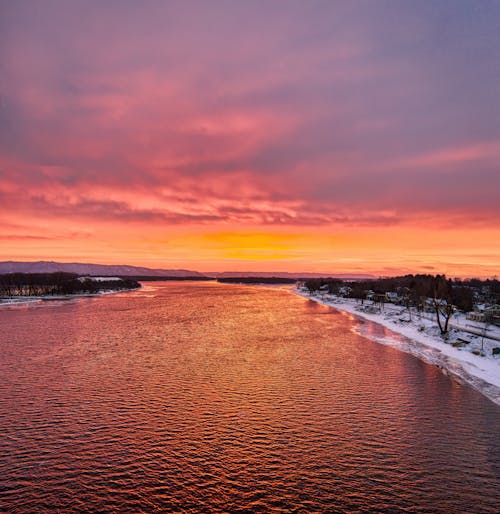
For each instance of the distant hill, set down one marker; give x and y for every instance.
(107, 270)
(284, 274)
(92, 269)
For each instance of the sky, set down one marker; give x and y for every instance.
(322, 136)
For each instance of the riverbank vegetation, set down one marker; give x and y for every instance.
(257, 280)
(155, 278)
(421, 293)
(59, 283)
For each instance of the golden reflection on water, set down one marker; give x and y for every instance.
(207, 397)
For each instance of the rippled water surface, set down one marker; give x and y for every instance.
(204, 397)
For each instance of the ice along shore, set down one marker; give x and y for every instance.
(421, 338)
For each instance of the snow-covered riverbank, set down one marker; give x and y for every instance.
(422, 339)
(15, 301)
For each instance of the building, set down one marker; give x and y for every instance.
(486, 314)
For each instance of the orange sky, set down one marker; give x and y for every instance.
(328, 248)
(242, 137)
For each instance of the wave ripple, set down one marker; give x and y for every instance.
(220, 398)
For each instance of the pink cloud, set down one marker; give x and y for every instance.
(174, 115)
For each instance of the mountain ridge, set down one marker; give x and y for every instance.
(138, 271)
(92, 269)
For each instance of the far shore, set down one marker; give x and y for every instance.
(420, 340)
(27, 300)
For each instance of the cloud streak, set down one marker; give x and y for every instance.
(341, 115)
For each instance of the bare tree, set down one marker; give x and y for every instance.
(442, 302)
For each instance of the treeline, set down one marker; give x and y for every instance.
(257, 280)
(59, 283)
(491, 285)
(156, 278)
(414, 290)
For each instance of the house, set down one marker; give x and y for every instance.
(345, 291)
(477, 314)
(392, 297)
(379, 298)
(493, 314)
(486, 314)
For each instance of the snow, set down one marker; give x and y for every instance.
(20, 301)
(423, 340)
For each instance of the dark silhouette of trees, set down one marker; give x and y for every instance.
(59, 283)
(256, 280)
(462, 297)
(419, 291)
(442, 301)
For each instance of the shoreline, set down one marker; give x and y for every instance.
(481, 373)
(36, 300)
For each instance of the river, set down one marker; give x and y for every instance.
(205, 397)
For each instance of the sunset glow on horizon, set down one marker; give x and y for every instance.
(330, 137)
